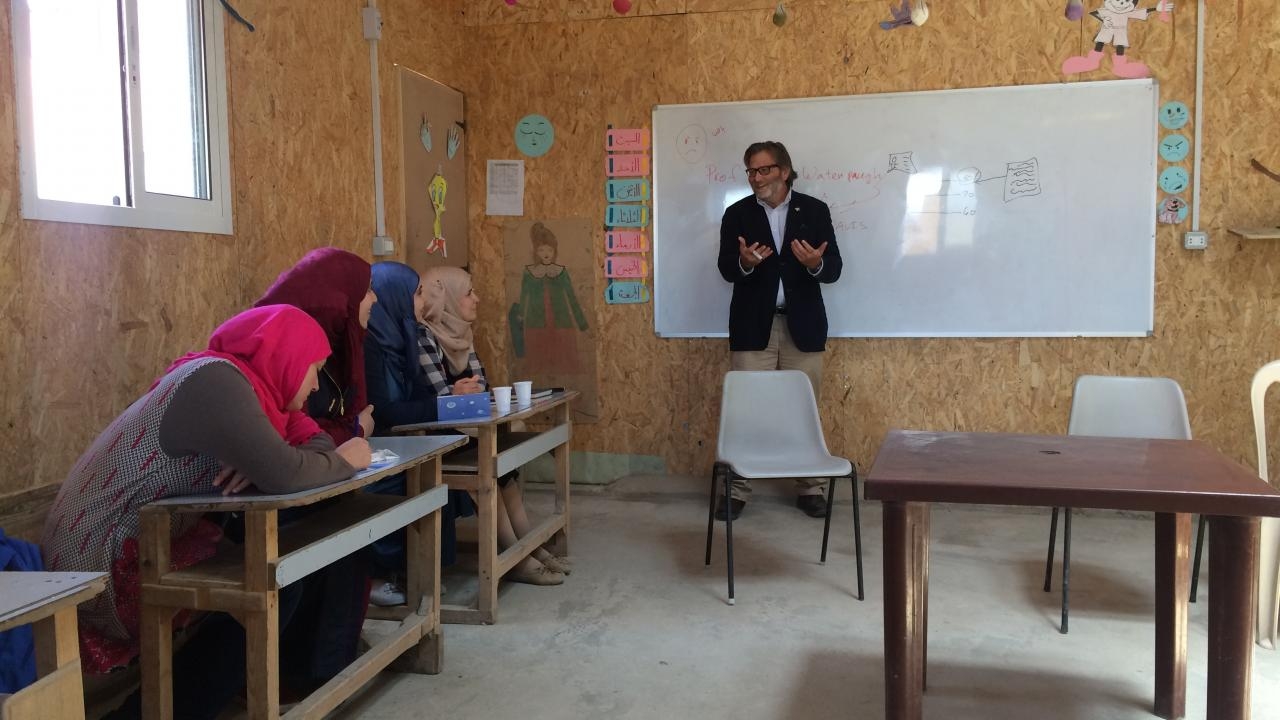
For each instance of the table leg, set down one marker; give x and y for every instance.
(156, 623)
(560, 541)
(1173, 582)
(262, 628)
(921, 580)
(1233, 561)
(903, 611)
(487, 522)
(422, 546)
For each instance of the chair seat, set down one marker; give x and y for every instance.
(785, 467)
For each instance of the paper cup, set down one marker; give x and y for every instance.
(502, 398)
(524, 392)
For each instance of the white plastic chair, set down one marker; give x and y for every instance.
(1269, 555)
(1122, 407)
(770, 429)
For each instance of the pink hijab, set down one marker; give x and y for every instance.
(273, 346)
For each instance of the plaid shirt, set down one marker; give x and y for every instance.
(433, 364)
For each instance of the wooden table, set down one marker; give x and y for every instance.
(478, 470)
(247, 585)
(1172, 478)
(48, 600)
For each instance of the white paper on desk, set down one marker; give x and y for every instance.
(505, 188)
(382, 458)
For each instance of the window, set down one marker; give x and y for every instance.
(122, 109)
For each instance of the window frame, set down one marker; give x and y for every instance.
(150, 210)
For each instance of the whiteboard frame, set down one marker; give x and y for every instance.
(1152, 83)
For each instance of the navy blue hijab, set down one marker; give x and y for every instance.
(393, 325)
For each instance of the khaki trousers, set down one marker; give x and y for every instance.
(781, 354)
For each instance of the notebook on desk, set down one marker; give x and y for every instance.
(544, 392)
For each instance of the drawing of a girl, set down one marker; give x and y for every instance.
(545, 323)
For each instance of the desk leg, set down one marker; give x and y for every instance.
(904, 588)
(156, 623)
(262, 629)
(487, 523)
(560, 541)
(1233, 561)
(422, 546)
(1173, 583)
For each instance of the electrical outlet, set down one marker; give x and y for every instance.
(383, 245)
(1195, 240)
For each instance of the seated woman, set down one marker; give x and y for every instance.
(406, 365)
(218, 420)
(332, 286)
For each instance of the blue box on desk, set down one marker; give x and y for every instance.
(462, 407)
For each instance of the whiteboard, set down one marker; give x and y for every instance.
(993, 212)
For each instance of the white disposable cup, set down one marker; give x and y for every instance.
(524, 392)
(502, 398)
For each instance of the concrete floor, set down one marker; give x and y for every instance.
(641, 629)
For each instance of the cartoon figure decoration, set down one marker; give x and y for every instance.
(1114, 15)
(547, 320)
(424, 133)
(911, 12)
(437, 189)
(1172, 211)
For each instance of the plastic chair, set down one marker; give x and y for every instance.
(1123, 407)
(1269, 555)
(770, 429)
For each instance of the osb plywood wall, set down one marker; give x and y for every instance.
(584, 67)
(92, 314)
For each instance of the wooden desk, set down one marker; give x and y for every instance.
(478, 473)
(48, 600)
(1172, 478)
(248, 586)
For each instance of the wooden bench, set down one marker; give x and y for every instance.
(48, 601)
(246, 584)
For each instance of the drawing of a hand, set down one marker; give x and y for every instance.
(454, 140)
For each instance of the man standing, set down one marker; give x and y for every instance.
(776, 247)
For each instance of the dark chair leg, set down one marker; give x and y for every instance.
(857, 529)
(826, 524)
(728, 528)
(1195, 565)
(1066, 565)
(711, 509)
(1048, 561)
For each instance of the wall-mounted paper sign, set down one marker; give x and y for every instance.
(626, 266)
(626, 215)
(630, 140)
(628, 190)
(626, 165)
(626, 292)
(625, 241)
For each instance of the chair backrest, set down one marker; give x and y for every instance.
(768, 412)
(1267, 622)
(1130, 407)
(1262, 380)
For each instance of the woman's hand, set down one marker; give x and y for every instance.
(366, 421)
(231, 480)
(356, 452)
(466, 386)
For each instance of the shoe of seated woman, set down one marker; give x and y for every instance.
(553, 562)
(538, 575)
(387, 594)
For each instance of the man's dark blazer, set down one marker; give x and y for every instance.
(755, 295)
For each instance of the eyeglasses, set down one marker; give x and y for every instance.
(763, 171)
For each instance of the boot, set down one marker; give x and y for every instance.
(1123, 67)
(1078, 64)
